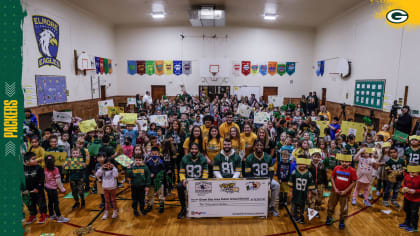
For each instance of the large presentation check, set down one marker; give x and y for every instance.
(227, 197)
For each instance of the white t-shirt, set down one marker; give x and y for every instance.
(147, 99)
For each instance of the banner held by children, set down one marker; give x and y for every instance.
(261, 118)
(87, 125)
(244, 110)
(102, 105)
(277, 101)
(128, 118)
(160, 120)
(322, 125)
(357, 129)
(64, 116)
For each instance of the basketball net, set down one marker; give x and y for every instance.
(214, 69)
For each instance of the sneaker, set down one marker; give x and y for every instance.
(105, 216)
(403, 225)
(120, 185)
(395, 203)
(83, 204)
(76, 205)
(385, 203)
(42, 219)
(62, 219)
(92, 176)
(281, 206)
(361, 195)
(31, 220)
(367, 203)
(94, 191)
(102, 205)
(161, 207)
(370, 197)
(341, 225)
(123, 181)
(301, 220)
(274, 212)
(378, 193)
(149, 208)
(411, 230)
(353, 202)
(182, 213)
(329, 221)
(136, 213)
(114, 214)
(317, 215)
(53, 217)
(143, 212)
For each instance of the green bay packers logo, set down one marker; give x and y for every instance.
(229, 187)
(397, 16)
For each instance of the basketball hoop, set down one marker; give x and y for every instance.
(214, 69)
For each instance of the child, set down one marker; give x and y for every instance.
(283, 174)
(319, 172)
(411, 190)
(128, 147)
(52, 181)
(34, 179)
(383, 158)
(394, 168)
(327, 137)
(38, 150)
(301, 184)
(76, 178)
(364, 174)
(158, 175)
(343, 179)
(45, 138)
(109, 174)
(351, 148)
(100, 160)
(64, 144)
(288, 146)
(139, 175)
(412, 153)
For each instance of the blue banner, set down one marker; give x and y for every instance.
(177, 67)
(97, 65)
(263, 69)
(290, 67)
(132, 67)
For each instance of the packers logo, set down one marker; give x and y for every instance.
(397, 16)
(47, 37)
(229, 188)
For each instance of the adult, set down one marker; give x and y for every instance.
(303, 104)
(404, 121)
(224, 128)
(227, 163)
(30, 119)
(316, 100)
(324, 113)
(384, 132)
(147, 98)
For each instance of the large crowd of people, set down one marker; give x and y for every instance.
(209, 139)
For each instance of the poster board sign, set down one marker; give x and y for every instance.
(114, 111)
(244, 110)
(354, 128)
(160, 120)
(87, 125)
(227, 197)
(142, 124)
(50, 89)
(103, 106)
(261, 117)
(62, 116)
(128, 118)
(183, 109)
(277, 101)
(131, 101)
(322, 124)
(400, 136)
(60, 157)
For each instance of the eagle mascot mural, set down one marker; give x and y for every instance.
(47, 37)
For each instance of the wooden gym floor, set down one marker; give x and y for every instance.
(361, 221)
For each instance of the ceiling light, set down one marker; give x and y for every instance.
(270, 16)
(158, 15)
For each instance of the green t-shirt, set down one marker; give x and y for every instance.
(140, 175)
(229, 166)
(412, 156)
(351, 149)
(194, 168)
(255, 167)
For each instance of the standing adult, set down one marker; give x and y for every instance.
(316, 100)
(404, 121)
(147, 98)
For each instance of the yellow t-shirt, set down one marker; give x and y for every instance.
(224, 129)
(326, 114)
(186, 144)
(204, 131)
(386, 135)
(238, 145)
(212, 148)
(248, 142)
(40, 153)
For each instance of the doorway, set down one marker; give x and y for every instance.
(269, 91)
(324, 96)
(158, 91)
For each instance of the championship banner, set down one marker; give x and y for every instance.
(168, 67)
(160, 120)
(109, 66)
(290, 67)
(64, 116)
(101, 65)
(159, 67)
(244, 110)
(254, 69)
(322, 124)
(236, 68)
(281, 69)
(272, 67)
(87, 125)
(186, 67)
(132, 67)
(102, 106)
(177, 67)
(106, 65)
(320, 69)
(227, 197)
(150, 67)
(277, 101)
(141, 67)
(97, 65)
(263, 69)
(246, 67)
(261, 117)
(128, 118)
(59, 157)
(354, 128)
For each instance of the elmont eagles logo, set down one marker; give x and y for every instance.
(47, 37)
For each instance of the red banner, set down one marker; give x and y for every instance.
(141, 67)
(101, 65)
(246, 67)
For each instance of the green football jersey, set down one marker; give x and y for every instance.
(194, 168)
(412, 156)
(255, 167)
(351, 149)
(301, 183)
(227, 165)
